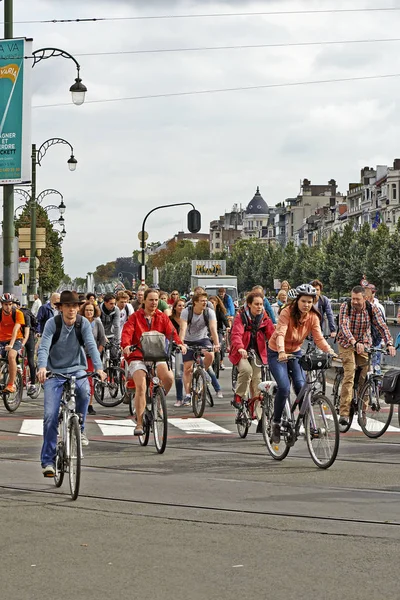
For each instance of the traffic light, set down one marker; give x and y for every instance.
(194, 221)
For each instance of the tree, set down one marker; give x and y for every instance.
(104, 273)
(378, 269)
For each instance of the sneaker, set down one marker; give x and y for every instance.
(344, 421)
(276, 433)
(31, 390)
(237, 402)
(220, 394)
(11, 389)
(91, 410)
(187, 401)
(48, 471)
(221, 367)
(84, 439)
(178, 403)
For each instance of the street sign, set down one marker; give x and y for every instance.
(146, 258)
(145, 236)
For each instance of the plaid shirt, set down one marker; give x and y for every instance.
(357, 326)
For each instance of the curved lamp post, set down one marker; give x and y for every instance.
(77, 89)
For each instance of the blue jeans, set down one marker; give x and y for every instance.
(281, 372)
(53, 389)
(214, 380)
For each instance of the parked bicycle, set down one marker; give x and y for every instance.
(69, 446)
(373, 413)
(248, 411)
(311, 411)
(11, 400)
(111, 392)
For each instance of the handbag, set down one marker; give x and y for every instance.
(315, 361)
(154, 346)
(391, 386)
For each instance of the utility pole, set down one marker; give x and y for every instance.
(8, 190)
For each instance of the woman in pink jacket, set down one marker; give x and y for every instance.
(251, 329)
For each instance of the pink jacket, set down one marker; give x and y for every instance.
(288, 338)
(241, 334)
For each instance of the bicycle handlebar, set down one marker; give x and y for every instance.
(68, 377)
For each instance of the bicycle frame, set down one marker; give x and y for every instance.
(67, 412)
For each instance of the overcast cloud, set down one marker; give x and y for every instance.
(212, 150)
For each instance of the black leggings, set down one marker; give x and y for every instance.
(30, 355)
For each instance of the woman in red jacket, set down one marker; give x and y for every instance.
(251, 329)
(148, 318)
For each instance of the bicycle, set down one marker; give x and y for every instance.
(247, 413)
(11, 400)
(69, 446)
(155, 416)
(199, 390)
(319, 374)
(106, 392)
(26, 382)
(373, 413)
(316, 414)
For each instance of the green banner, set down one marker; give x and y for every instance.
(15, 100)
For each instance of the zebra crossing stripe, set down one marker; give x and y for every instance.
(117, 427)
(197, 426)
(31, 427)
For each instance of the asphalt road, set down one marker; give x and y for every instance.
(214, 517)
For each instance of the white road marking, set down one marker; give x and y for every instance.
(31, 427)
(116, 427)
(197, 426)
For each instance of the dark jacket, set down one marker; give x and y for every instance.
(324, 308)
(45, 313)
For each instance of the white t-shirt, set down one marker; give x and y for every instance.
(125, 313)
(197, 329)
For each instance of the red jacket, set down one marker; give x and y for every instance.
(137, 324)
(241, 334)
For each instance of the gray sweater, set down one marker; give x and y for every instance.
(67, 356)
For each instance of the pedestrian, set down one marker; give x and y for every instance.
(37, 303)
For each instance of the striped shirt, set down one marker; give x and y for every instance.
(357, 327)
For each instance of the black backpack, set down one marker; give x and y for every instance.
(206, 316)
(77, 328)
(32, 318)
(391, 386)
(375, 333)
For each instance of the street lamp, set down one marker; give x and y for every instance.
(77, 89)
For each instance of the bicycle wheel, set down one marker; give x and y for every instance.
(277, 451)
(242, 422)
(345, 428)
(131, 394)
(160, 420)
(374, 414)
(12, 401)
(210, 399)
(74, 467)
(144, 439)
(60, 464)
(336, 390)
(321, 381)
(322, 431)
(199, 392)
(106, 392)
(235, 373)
(216, 364)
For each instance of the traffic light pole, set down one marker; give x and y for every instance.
(143, 241)
(8, 190)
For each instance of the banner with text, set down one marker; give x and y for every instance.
(15, 111)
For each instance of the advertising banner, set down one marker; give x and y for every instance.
(15, 111)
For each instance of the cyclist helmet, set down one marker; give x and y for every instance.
(6, 297)
(305, 289)
(292, 294)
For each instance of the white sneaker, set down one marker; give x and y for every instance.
(178, 403)
(84, 439)
(220, 395)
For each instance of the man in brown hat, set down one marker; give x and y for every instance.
(62, 350)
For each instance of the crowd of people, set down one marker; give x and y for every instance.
(73, 331)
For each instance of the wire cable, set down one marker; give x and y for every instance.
(222, 90)
(217, 15)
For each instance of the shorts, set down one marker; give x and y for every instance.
(139, 365)
(205, 343)
(17, 346)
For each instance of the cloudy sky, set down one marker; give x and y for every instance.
(210, 149)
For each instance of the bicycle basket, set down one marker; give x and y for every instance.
(391, 386)
(315, 361)
(154, 346)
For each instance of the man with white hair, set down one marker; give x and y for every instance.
(47, 311)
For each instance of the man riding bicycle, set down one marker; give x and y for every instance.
(356, 320)
(62, 350)
(11, 320)
(148, 318)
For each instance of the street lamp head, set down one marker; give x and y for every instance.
(78, 91)
(62, 207)
(61, 220)
(63, 233)
(72, 162)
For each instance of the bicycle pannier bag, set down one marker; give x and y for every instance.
(391, 386)
(315, 361)
(154, 346)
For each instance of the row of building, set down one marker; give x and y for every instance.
(314, 213)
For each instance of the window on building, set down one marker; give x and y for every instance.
(218, 235)
(217, 245)
(394, 191)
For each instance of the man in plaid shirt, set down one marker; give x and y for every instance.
(353, 337)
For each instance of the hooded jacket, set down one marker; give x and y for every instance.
(241, 335)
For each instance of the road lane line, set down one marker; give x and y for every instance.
(31, 427)
(198, 426)
(117, 427)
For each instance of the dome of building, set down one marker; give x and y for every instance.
(257, 206)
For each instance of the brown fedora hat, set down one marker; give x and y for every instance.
(69, 297)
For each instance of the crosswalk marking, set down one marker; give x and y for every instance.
(31, 427)
(197, 426)
(117, 427)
